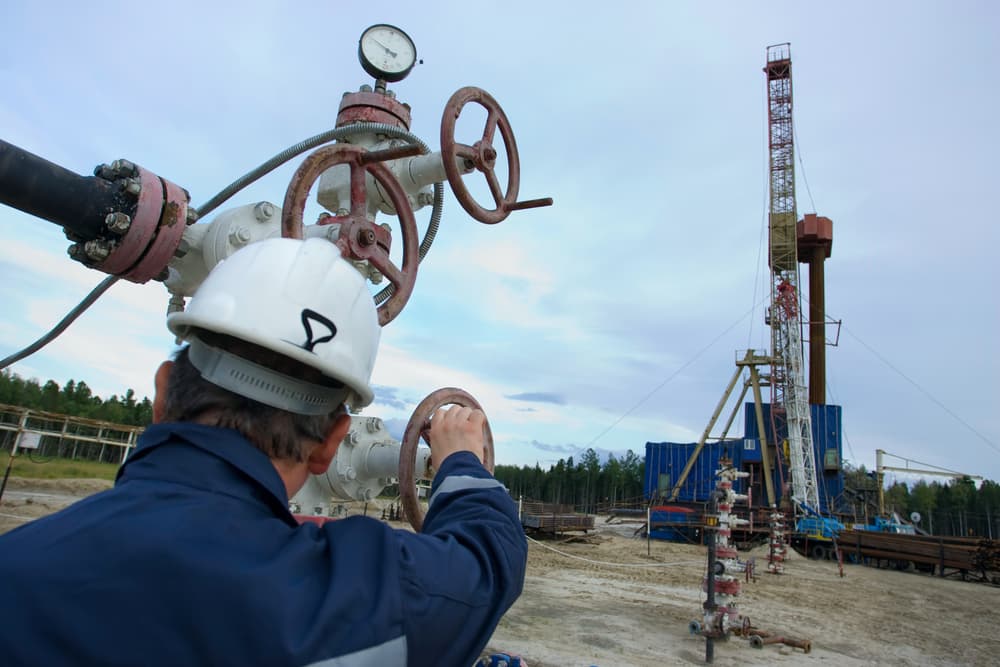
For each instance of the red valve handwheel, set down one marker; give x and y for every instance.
(481, 154)
(360, 238)
(419, 427)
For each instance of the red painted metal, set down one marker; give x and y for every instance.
(812, 231)
(726, 552)
(419, 428)
(815, 240)
(144, 223)
(481, 154)
(360, 238)
(728, 586)
(173, 221)
(368, 107)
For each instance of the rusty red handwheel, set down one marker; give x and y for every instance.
(360, 238)
(481, 154)
(419, 428)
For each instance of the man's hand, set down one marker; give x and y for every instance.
(456, 429)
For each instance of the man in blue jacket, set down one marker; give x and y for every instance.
(193, 557)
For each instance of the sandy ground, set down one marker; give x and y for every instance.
(612, 605)
(614, 610)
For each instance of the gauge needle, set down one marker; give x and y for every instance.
(387, 50)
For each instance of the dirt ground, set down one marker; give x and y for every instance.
(610, 604)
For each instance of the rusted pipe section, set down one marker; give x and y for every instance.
(397, 153)
(761, 640)
(815, 243)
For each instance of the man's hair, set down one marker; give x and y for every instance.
(278, 433)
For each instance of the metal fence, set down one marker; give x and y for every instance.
(65, 436)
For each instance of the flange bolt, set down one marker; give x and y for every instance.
(118, 222)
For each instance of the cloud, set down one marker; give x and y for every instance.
(554, 449)
(388, 396)
(538, 397)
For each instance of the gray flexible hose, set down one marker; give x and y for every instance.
(325, 138)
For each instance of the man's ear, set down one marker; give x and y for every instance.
(160, 383)
(322, 454)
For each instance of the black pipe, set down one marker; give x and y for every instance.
(44, 189)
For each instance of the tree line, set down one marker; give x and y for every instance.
(75, 399)
(956, 507)
(586, 484)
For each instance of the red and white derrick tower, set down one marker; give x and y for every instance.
(789, 400)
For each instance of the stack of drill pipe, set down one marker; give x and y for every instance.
(957, 553)
(987, 557)
(553, 518)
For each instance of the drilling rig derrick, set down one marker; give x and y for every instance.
(789, 400)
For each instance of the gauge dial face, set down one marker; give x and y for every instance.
(386, 52)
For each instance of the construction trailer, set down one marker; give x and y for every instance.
(665, 462)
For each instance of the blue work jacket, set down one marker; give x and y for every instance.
(194, 559)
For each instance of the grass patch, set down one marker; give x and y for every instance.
(46, 468)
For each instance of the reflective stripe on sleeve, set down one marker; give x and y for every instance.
(388, 654)
(462, 482)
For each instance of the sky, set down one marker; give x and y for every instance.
(614, 317)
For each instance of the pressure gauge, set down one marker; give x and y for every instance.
(386, 52)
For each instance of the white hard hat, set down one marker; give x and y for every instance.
(298, 298)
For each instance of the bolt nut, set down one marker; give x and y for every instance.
(106, 172)
(365, 88)
(263, 211)
(366, 237)
(192, 216)
(97, 250)
(425, 199)
(240, 236)
(123, 168)
(76, 252)
(117, 222)
(132, 186)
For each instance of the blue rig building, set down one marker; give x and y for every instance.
(665, 461)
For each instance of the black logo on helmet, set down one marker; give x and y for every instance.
(310, 316)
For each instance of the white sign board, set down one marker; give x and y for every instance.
(29, 440)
